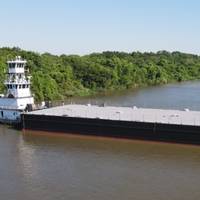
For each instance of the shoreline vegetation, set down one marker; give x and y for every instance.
(59, 77)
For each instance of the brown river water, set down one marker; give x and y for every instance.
(36, 165)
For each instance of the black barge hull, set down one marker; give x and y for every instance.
(111, 128)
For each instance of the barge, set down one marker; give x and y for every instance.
(119, 122)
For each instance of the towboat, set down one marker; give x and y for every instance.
(17, 98)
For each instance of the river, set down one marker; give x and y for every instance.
(171, 96)
(45, 166)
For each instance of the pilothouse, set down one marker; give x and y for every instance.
(18, 97)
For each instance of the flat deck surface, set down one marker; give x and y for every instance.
(124, 114)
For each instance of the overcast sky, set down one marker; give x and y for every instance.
(86, 26)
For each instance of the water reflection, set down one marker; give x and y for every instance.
(27, 159)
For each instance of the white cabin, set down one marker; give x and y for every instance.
(18, 97)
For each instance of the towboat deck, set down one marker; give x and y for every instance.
(133, 114)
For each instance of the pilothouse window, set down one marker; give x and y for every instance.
(12, 65)
(9, 86)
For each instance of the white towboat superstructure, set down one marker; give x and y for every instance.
(18, 97)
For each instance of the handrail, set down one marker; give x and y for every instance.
(9, 107)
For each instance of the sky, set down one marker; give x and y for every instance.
(87, 26)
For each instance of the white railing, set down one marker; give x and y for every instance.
(9, 108)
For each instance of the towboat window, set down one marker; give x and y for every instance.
(1, 113)
(12, 65)
(20, 86)
(24, 86)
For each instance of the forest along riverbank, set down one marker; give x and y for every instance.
(58, 77)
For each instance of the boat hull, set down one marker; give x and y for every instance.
(112, 128)
(10, 116)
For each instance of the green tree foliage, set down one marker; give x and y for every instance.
(58, 77)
